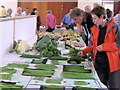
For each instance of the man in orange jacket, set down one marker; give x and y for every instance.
(105, 45)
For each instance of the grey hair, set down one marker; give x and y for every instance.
(49, 11)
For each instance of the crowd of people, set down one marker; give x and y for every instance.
(100, 30)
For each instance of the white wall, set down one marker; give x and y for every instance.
(6, 37)
(15, 28)
(25, 29)
(10, 4)
(83, 3)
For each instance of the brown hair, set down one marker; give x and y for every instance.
(108, 13)
(76, 12)
(99, 10)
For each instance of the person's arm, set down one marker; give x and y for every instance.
(85, 51)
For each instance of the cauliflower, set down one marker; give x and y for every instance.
(22, 46)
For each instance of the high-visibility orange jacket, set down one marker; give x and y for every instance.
(111, 44)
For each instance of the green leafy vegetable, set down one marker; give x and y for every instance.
(55, 62)
(58, 58)
(72, 68)
(8, 70)
(6, 86)
(30, 56)
(76, 75)
(52, 87)
(5, 76)
(55, 81)
(38, 78)
(45, 66)
(80, 83)
(39, 73)
(39, 61)
(14, 65)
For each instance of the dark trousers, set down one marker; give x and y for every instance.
(103, 73)
(50, 29)
(114, 80)
(109, 79)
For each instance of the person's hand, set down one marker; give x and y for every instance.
(99, 48)
(80, 53)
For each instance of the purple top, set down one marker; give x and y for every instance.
(50, 21)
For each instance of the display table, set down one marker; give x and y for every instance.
(42, 72)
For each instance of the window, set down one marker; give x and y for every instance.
(108, 4)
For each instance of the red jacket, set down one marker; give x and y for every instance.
(111, 44)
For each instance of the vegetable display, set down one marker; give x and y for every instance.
(6, 73)
(41, 44)
(45, 67)
(5, 76)
(39, 73)
(39, 61)
(7, 70)
(30, 56)
(50, 49)
(72, 68)
(58, 58)
(55, 62)
(55, 81)
(8, 86)
(21, 47)
(51, 87)
(15, 65)
(84, 88)
(77, 75)
(38, 78)
(80, 83)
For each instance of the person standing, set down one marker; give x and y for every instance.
(3, 11)
(67, 22)
(106, 45)
(85, 20)
(35, 12)
(50, 21)
(109, 14)
(87, 9)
